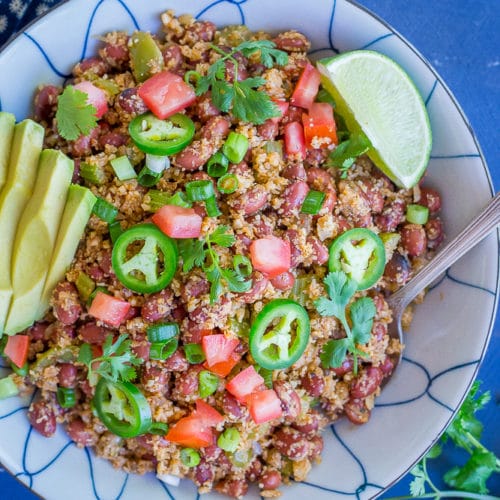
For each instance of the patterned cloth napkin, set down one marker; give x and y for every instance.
(15, 14)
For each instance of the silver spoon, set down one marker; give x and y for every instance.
(473, 233)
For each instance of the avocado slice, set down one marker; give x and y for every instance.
(35, 238)
(7, 122)
(23, 162)
(73, 222)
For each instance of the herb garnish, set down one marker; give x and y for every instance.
(116, 362)
(202, 254)
(75, 117)
(347, 152)
(241, 97)
(340, 289)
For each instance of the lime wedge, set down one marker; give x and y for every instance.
(374, 95)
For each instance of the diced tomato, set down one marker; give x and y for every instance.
(189, 432)
(295, 142)
(283, 107)
(95, 96)
(264, 406)
(320, 130)
(307, 87)
(108, 309)
(166, 93)
(17, 348)
(246, 382)
(218, 348)
(223, 368)
(178, 222)
(271, 255)
(207, 415)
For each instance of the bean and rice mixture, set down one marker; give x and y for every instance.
(271, 189)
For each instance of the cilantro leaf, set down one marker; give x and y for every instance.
(268, 52)
(340, 289)
(362, 313)
(346, 153)
(74, 116)
(252, 105)
(192, 252)
(222, 95)
(235, 281)
(417, 486)
(334, 353)
(222, 237)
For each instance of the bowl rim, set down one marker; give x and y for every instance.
(484, 164)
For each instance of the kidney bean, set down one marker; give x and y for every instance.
(292, 41)
(158, 306)
(374, 196)
(177, 362)
(46, 102)
(294, 196)
(67, 375)
(115, 139)
(284, 281)
(366, 383)
(254, 470)
(187, 383)
(194, 333)
(84, 144)
(179, 313)
(131, 103)
(290, 400)
(92, 333)
(270, 480)
(296, 255)
(242, 71)
(387, 366)
(397, 270)
(391, 217)
(316, 444)
(314, 384)
(295, 171)
(309, 427)
(413, 239)
(262, 226)
(38, 331)
(232, 407)
(66, 302)
(356, 411)
(329, 202)
(252, 200)
(345, 367)
(90, 65)
(86, 388)
(216, 127)
(154, 378)
(211, 453)
(291, 443)
(380, 302)
(268, 130)
(319, 179)
(194, 287)
(115, 54)
(434, 232)
(76, 171)
(234, 488)
(379, 330)
(320, 250)
(256, 69)
(173, 58)
(42, 417)
(205, 108)
(78, 432)
(141, 349)
(240, 169)
(259, 285)
(203, 473)
(202, 30)
(431, 199)
(316, 157)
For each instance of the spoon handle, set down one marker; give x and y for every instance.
(472, 234)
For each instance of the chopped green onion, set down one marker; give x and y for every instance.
(66, 397)
(163, 350)
(228, 184)
(159, 428)
(157, 164)
(417, 214)
(148, 178)
(123, 168)
(92, 173)
(159, 199)
(242, 265)
(211, 207)
(190, 457)
(235, 147)
(274, 147)
(85, 285)
(105, 210)
(102, 289)
(23, 371)
(217, 165)
(162, 332)
(229, 440)
(194, 353)
(325, 96)
(115, 230)
(313, 202)
(200, 190)
(208, 383)
(8, 388)
(267, 375)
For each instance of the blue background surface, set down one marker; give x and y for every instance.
(461, 39)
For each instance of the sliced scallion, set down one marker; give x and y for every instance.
(115, 230)
(417, 214)
(92, 173)
(163, 350)
(200, 190)
(66, 397)
(159, 199)
(161, 332)
(190, 457)
(242, 265)
(235, 147)
(208, 383)
(229, 440)
(313, 202)
(123, 168)
(228, 184)
(217, 165)
(194, 353)
(148, 178)
(105, 210)
(159, 428)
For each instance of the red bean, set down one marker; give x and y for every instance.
(284, 281)
(194, 333)
(232, 407)
(84, 144)
(291, 443)
(328, 202)
(202, 30)
(91, 65)
(414, 239)
(187, 383)
(38, 331)
(203, 473)
(387, 366)
(92, 333)
(259, 285)
(294, 196)
(345, 367)
(270, 480)
(316, 444)
(314, 384)
(177, 362)
(356, 411)
(115, 139)
(158, 306)
(374, 196)
(86, 388)
(296, 255)
(254, 470)
(366, 383)
(242, 71)
(131, 103)
(205, 108)
(173, 58)
(252, 200)
(115, 54)
(310, 426)
(67, 375)
(67, 307)
(431, 199)
(379, 330)
(434, 232)
(295, 171)
(268, 130)
(262, 226)
(290, 400)
(211, 453)
(215, 128)
(397, 270)
(154, 378)
(46, 102)
(316, 157)
(292, 41)
(319, 179)
(141, 349)
(234, 488)
(80, 434)
(194, 287)
(42, 417)
(391, 217)
(320, 250)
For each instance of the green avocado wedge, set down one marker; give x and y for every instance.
(73, 222)
(25, 151)
(36, 237)
(7, 123)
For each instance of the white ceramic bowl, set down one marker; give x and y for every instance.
(451, 329)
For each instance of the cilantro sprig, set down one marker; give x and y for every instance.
(347, 152)
(240, 97)
(75, 117)
(340, 289)
(468, 480)
(117, 361)
(201, 253)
